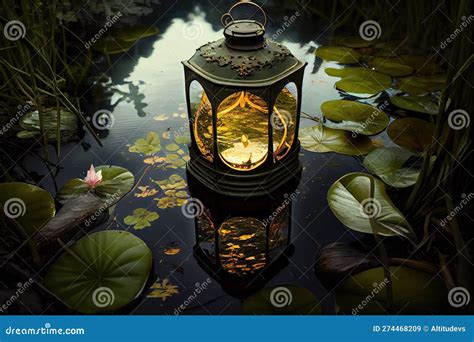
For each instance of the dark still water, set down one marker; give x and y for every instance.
(143, 88)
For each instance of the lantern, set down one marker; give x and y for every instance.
(243, 95)
(242, 244)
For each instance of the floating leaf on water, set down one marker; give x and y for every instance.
(317, 139)
(413, 134)
(390, 66)
(183, 139)
(354, 116)
(172, 147)
(141, 218)
(145, 191)
(166, 135)
(160, 117)
(163, 289)
(419, 85)
(414, 292)
(423, 65)
(355, 42)
(116, 182)
(338, 54)
(174, 182)
(282, 300)
(148, 146)
(360, 80)
(349, 200)
(30, 122)
(388, 164)
(172, 249)
(421, 104)
(101, 272)
(154, 160)
(30, 206)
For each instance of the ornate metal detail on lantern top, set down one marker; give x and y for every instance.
(244, 57)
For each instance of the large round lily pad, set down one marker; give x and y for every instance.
(103, 271)
(355, 117)
(283, 300)
(30, 206)
(423, 65)
(30, 122)
(319, 139)
(116, 182)
(390, 66)
(355, 42)
(418, 85)
(413, 292)
(338, 54)
(420, 104)
(359, 80)
(388, 163)
(413, 134)
(349, 199)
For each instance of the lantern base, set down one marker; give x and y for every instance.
(244, 184)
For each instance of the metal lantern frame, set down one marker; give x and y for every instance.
(264, 71)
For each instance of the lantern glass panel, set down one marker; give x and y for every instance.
(201, 110)
(242, 131)
(242, 243)
(283, 120)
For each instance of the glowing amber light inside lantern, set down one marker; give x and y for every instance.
(242, 129)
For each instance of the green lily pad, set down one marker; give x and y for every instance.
(355, 42)
(30, 206)
(354, 116)
(421, 104)
(338, 54)
(349, 200)
(414, 292)
(387, 163)
(116, 182)
(148, 146)
(282, 300)
(141, 218)
(423, 65)
(321, 140)
(101, 272)
(172, 147)
(183, 139)
(413, 134)
(30, 122)
(419, 85)
(360, 80)
(390, 66)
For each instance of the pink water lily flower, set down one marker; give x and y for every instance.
(93, 178)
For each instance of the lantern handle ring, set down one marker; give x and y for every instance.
(227, 18)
